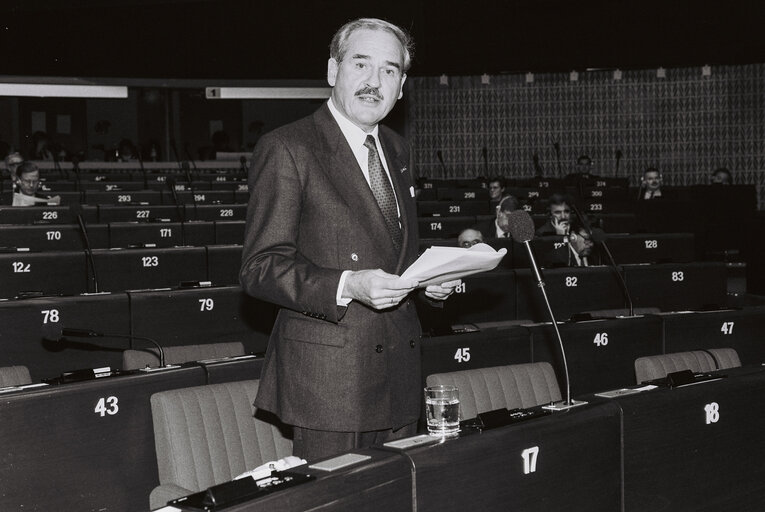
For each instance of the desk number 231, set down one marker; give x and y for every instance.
(107, 406)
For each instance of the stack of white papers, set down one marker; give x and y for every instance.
(441, 264)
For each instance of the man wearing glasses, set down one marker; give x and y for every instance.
(27, 181)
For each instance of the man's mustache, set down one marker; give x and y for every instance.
(370, 91)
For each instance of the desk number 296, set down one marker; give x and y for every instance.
(107, 406)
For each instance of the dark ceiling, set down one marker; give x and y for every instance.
(237, 39)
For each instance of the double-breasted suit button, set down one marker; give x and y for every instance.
(354, 256)
(411, 343)
(378, 348)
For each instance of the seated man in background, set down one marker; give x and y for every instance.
(496, 190)
(12, 162)
(469, 237)
(582, 172)
(576, 251)
(651, 184)
(722, 176)
(26, 182)
(499, 227)
(559, 213)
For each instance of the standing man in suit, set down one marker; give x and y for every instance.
(331, 224)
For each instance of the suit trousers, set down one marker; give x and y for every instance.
(313, 445)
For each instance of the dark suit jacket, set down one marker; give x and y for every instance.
(312, 215)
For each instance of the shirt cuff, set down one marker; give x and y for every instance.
(338, 297)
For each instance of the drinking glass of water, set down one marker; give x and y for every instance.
(442, 406)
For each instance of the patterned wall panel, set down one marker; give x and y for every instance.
(685, 124)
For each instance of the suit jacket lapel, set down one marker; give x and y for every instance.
(345, 174)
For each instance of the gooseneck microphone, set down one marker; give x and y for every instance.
(143, 170)
(64, 332)
(171, 184)
(75, 210)
(599, 237)
(618, 159)
(522, 230)
(441, 159)
(76, 171)
(537, 167)
(485, 161)
(556, 146)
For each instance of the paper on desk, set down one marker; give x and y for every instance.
(440, 264)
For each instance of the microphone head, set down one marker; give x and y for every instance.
(556, 146)
(521, 225)
(170, 182)
(598, 235)
(243, 160)
(439, 154)
(185, 166)
(618, 153)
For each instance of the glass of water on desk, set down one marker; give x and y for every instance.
(442, 406)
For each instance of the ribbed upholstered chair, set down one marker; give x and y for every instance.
(496, 387)
(657, 367)
(207, 435)
(14, 376)
(134, 359)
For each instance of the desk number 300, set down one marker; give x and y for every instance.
(107, 406)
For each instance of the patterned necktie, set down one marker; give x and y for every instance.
(383, 192)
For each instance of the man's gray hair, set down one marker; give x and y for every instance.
(339, 44)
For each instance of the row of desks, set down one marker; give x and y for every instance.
(89, 446)
(694, 448)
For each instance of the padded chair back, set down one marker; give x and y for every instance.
(511, 386)
(135, 359)
(14, 376)
(657, 367)
(206, 435)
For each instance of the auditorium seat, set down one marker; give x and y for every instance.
(49, 273)
(218, 212)
(207, 435)
(58, 237)
(149, 268)
(14, 376)
(44, 215)
(159, 234)
(134, 359)
(108, 213)
(657, 367)
(495, 387)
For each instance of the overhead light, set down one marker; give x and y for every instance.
(485, 79)
(529, 77)
(443, 80)
(661, 73)
(617, 74)
(573, 76)
(706, 70)
(266, 93)
(63, 91)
